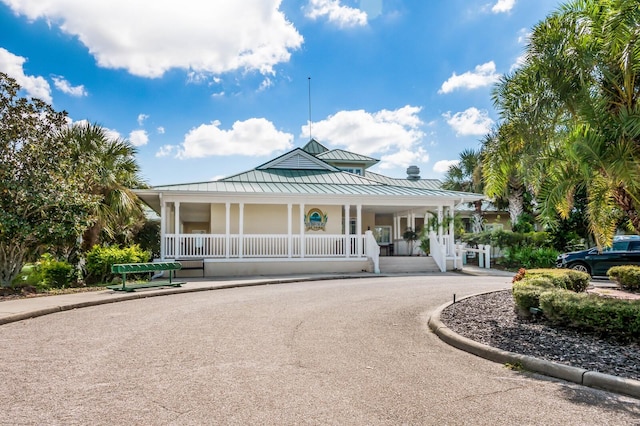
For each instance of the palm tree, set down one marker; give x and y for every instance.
(583, 62)
(110, 171)
(504, 171)
(466, 176)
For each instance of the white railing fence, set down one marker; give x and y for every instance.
(483, 252)
(184, 246)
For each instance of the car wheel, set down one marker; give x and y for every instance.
(580, 267)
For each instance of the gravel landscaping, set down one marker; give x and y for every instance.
(490, 319)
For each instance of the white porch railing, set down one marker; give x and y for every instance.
(438, 251)
(262, 246)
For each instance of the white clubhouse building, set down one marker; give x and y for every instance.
(307, 211)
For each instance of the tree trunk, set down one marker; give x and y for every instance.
(90, 237)
(476, 219)
(626, 203)
(516, 204)
(11, 262)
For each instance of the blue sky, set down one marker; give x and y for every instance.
(209, 88)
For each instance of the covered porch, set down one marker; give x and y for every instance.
(260, 236)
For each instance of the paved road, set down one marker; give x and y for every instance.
(339, 352)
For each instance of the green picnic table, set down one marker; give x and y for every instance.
(138, 268)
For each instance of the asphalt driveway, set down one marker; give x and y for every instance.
(343, 352)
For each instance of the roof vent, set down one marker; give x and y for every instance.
(413, 173)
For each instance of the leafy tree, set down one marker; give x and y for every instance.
(466, 176)
(108, 168)
(41, 200)
(583, 63)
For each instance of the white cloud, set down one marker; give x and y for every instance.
(160, 130)
(138, 137)
(142, 118)
(442, 166)
(65, 87)
(252, 137)
(198, 36)
(483, 75)
(469, 122)
(369, 133)
(165, 150)
(343, 16)
(503, 6)
(36, 87)
(404, 158)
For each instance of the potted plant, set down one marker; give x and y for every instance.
(410, 236)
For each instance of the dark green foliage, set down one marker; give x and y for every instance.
(530, 257)
(627, 277)
(42, 202)
(148, 237)
(524, 224)
(100, 259)
(605, 316)
(507, 239)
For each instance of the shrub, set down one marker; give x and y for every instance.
(55, 273)
(100, 259)
(534, 282)
(531, 257)
(46, 273)
(526, 293)
(606, 316)
(567, 279)
(627, 277)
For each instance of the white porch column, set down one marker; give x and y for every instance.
(163, 229)
(412, 218)
(426, 222)
(452, 230)
(440, 218)
(176, 206)
(302, 242)
(227, 229)
(241, 232)
(359, 228)
(347, 237)
(289, 230)
(396, 227)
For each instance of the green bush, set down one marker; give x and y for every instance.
(100, 259)
(627, 277)
(606, 316)
(526, 293)
(531, 257)
(46, 273)
(532, 283)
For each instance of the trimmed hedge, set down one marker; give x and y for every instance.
(605, 316)
(627, 277)
(529, 285)
(100, 259)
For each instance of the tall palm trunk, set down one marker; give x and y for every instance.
(476, 224)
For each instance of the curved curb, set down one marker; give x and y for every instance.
(577, 375)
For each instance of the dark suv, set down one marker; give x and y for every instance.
(624, 251)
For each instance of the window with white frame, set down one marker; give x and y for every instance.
(382, 234)
(354, 170)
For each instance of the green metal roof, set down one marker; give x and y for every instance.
(299, 176)
(419, 183)
(314, 147)
(342, 156)
(308, 188)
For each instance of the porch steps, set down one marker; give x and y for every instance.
(407, 264)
